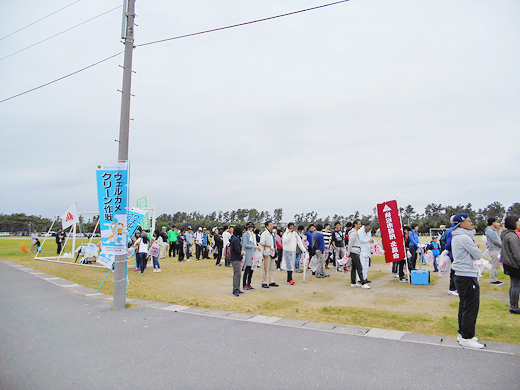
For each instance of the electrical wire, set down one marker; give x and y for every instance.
(64, 31)
(63, 77)
(170, 39)
(39, 20)
(241, 24)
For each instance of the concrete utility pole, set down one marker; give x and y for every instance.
(120, 266)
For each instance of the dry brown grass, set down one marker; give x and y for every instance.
(388, 304)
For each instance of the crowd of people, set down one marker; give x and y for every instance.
(344, 248)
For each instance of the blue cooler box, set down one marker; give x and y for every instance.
(421, 276)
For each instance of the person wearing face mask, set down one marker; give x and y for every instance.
(465, 256)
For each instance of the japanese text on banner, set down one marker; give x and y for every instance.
(112, 181)
(391, 231)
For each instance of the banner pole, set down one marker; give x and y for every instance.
(45, 238)
(105, 278)
(404, 244)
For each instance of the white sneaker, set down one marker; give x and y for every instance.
(470, 343)
(154, 270)
(454, 293)
(158, 270)
(365, 286)
(459, 337)
(395, 275)
(355, 285)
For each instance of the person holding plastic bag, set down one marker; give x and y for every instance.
(291, 240)
(354, 252)
(268, 245)
(249, 246)
(494, 244)
(319, 246)
(465, 256)
(510, 256)
(435, 248)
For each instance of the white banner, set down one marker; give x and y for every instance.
(70, 217)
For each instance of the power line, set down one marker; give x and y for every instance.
(39, 20)
(170, 39)
(241, 24)
(64, 31)
(61, 78)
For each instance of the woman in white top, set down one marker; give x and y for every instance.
(291, 239)
(141, 245)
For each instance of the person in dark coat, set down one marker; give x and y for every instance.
(235, 258)
(510, 257)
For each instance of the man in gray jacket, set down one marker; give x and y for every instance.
(465, 253)
(494, 246)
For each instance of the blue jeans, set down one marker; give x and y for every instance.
(156, 262)
(297, 261)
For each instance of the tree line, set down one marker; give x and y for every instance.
(433, 216)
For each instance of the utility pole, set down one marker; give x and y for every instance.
(120, 265)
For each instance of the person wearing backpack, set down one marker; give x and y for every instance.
(510, 256)
(311, 233)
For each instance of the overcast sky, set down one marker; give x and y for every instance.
(333, 110)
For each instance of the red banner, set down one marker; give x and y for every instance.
(391, 231)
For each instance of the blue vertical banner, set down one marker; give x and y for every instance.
(112, 186)
(135, 216)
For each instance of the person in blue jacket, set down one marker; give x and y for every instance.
(435, 247)
(414, 245)
(449, 236)
(319, 246)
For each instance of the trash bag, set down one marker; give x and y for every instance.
(304, 259)
(428, 257)
(258, 258)
(375, 249)
(444, 263)
(482, 265)
(314, 263)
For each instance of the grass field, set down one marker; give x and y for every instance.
(389, 304)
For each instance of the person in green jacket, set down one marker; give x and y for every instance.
(172, 240)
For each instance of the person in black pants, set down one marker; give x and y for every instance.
(60, 237)
(180, 245)
(219, 243)
(235, 257)
(465, 254)
(400, 264)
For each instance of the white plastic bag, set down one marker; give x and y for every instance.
(444, 263)
(376, 250)
(428, 257)
(314, 263)
(304, 260)
(482, 265)
(258, 258)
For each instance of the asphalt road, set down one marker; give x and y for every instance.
(52, 338)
